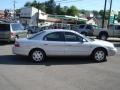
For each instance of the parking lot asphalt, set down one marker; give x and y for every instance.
(19, 73)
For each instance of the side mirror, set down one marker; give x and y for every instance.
(84, 40)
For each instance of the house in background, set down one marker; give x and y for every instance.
(29, 16)
(2, 14)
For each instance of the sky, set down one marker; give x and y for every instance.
(80, 4)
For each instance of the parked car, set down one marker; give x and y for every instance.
(62, 43)
(112, 31)
(85, 29)
(11, 31)
(33, 29)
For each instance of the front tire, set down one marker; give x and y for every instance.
(99, 55)
(37, 55)
(84, 33)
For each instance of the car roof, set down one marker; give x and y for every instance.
(9, 23)
(59, 30)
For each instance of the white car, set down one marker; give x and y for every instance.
(57, 42)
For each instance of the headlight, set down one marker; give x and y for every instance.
(110, 48)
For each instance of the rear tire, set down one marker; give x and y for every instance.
(99, 55)
(37, 55)
(29, 32)
(103, 36)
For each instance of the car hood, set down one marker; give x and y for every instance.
(102, 43)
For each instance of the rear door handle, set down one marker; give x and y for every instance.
(69, 45)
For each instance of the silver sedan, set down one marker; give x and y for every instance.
(57, 42)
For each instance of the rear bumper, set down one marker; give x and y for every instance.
(7, 39)
(18, 51)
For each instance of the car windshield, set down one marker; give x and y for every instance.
(95, 27)
(17, 27)
(88, 38)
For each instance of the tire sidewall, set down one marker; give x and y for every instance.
(93, 56)
(31, 55)
(103, 35)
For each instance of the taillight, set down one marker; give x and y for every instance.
(11, 34)
(17, 44)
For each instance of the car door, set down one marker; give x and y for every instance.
(89, 30)
(75, 45)
(54, 43)
(117, 31)
(18, 30)
(4, 31)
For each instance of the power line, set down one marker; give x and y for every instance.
(66, 1)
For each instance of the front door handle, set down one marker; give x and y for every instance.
(45, 44)
(69, 45)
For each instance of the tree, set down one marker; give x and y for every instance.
(101, 12)
(82, 11)
(34, 4)
(28, 4)
(17, 12)
(118, 18)
(96, 13)
(73, 11)
(50, 7)
(6, 13)
(58, 10)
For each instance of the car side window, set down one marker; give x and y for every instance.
(81, 26)
(117, 27)
(4, 27)
(55, 36)
(111, 27)
(89, 27)
(71, 37)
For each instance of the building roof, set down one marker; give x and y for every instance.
(68, 17)
(53, 19)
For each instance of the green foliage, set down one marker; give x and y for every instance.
(118, 17)
(50, 7)
(82, 11)
(73, 11)
(28, 4)
(101, 12)
(96, 13)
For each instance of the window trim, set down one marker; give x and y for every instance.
(116, 27)
(74, 34)
(62, 33)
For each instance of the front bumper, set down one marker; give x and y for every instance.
(112, 52)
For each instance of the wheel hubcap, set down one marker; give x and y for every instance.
(37, 56)
(103, 37)
(99, 55)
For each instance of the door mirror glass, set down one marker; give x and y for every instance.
(84, 40)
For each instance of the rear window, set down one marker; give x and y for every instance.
(37, 35)
(4, 27)
(17, 27)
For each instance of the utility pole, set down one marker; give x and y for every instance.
(14, 5)
(38, 14)
(103, 19)
(109, 13)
